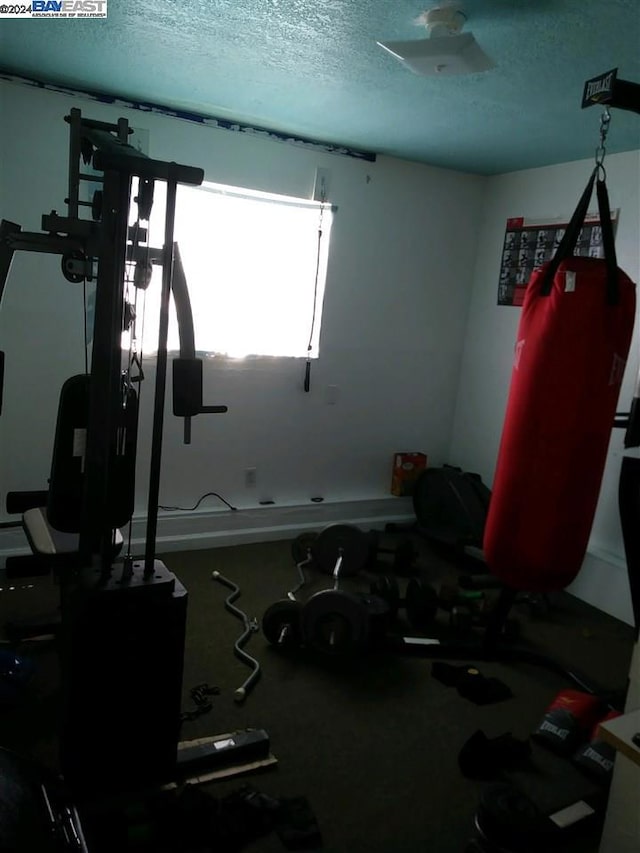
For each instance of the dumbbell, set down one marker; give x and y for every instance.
(464, 619)
(451, 595)
(469, 609)
(404, 554)
(332, 621)
(420, 602)
(463, 605)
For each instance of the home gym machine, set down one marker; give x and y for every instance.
(122, 621)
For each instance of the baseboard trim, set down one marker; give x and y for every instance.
(181, 531)
(597, 584)
(603, 582)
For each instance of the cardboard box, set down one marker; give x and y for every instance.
(407, 467)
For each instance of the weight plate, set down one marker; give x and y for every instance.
(96, 206)
(341, 539)
(386, 587)
(142, 274)
(508, 819)
(404, 556)
(421, 603)
(461, 618)
(374, 542)
(375, 605)
(449, 596)
(335, 622)
(301, 545)
(281, 624)
(379, 615)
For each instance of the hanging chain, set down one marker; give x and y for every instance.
(601, 150)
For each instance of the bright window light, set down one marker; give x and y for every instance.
(255, 266)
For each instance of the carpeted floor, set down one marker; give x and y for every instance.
(371, 742)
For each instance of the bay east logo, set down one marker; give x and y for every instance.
(68, 8)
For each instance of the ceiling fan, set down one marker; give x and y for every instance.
(446, 50)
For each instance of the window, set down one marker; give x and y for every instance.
(255, 266)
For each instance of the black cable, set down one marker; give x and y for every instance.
(315, 285)
(128, 279)
(307, 378)
(134, 340)
(191, 508)
(86, 337)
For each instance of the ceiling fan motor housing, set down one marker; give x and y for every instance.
(446, 50)
(443, 20)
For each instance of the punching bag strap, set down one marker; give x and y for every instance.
(570, 237)
(608, 242)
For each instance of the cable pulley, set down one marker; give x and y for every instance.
(74, 266)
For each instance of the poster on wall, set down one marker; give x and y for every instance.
(528, 244)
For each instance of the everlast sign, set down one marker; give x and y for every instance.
(600, 89)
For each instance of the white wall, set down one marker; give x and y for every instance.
(491, 332)
(399, 279)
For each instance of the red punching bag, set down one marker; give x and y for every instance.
(571, 350)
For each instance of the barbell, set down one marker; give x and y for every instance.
(336, 621)
(359, 549)
(333, 622)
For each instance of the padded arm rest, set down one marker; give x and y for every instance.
(45, 539)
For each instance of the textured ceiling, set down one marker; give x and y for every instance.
(314, 69)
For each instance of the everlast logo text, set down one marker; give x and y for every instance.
(599, 87)
(605, 763)
(549, 727)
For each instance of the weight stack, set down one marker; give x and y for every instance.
(122, 650)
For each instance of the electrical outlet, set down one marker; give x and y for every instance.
(249, 477)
